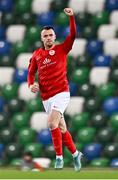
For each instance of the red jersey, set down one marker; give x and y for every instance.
(51, 66)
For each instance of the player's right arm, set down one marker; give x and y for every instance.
(32, 68)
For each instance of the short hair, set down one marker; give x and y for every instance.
(47, 28)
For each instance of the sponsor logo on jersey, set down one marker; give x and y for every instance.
(51, 52)
(46, 61)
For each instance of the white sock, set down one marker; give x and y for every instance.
(60, 157)
(75, 154)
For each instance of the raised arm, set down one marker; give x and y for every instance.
(70, 13)
(67, 44)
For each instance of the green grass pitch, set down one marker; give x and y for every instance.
(60, 174)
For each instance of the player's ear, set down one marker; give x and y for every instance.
(41, 38)
(55, 37)
(41, 35)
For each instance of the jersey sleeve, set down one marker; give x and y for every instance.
(32, 68)
(68, 43)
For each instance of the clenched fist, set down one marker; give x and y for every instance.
(34, 88)
(68, 11)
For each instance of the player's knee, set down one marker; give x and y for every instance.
(52, 124)
(53, 120)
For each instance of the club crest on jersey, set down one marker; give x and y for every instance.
(51, 52)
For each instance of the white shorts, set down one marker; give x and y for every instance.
(58, 102)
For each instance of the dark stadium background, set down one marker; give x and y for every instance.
(92, 115)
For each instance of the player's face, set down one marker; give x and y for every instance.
(48, 37)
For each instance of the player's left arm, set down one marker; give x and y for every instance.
(67, 44)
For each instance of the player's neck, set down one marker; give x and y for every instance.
(48, 48)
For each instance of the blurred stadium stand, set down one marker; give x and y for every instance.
(92, 115)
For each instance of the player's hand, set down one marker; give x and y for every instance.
(68, 11)
(34, 88)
